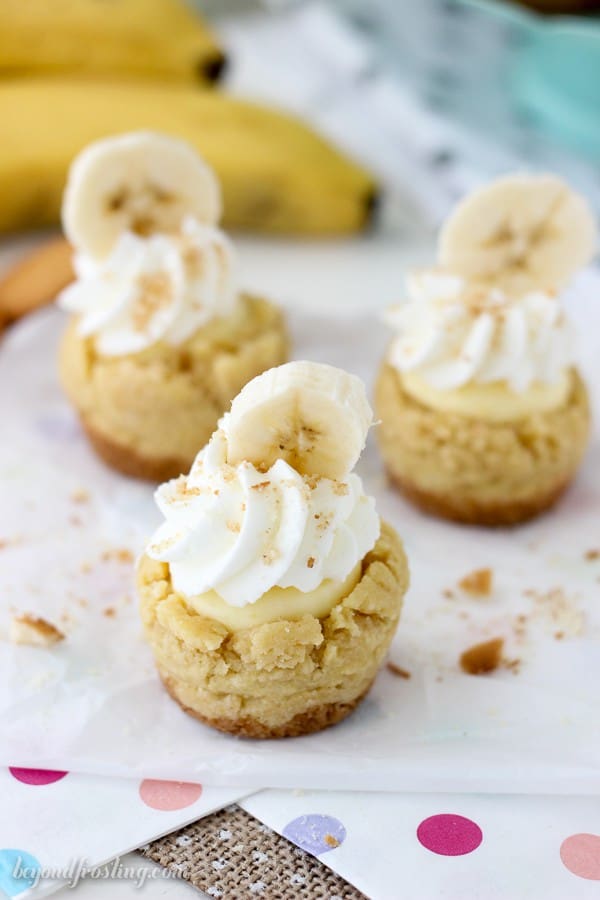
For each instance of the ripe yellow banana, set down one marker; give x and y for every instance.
(276, 174)
(160, 39)
(313, 416)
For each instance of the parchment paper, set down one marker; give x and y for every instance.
(70, 528)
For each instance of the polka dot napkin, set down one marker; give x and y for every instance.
(59, 822)
(493, 847)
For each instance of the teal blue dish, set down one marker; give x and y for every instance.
(555, 72)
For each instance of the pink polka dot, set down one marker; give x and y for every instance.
(449, 835)
(36, 776)
(581, 855)
(168, 795)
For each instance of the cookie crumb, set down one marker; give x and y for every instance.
(261, 485)
(325, 520)
(155, 292)
(591, 555)
(398, 670)
(310, 562)
(80, 496)
(477, 583)
(340, 488)
(482, 658)
(122, 555)
(520, 626)
(513, 665)
(35, 631)
(312, 481)
(110, 612)
(557, 610)
(448, 594)
(331, 841)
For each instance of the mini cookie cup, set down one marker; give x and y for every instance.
(476, 472)
(146, 414)
(283, 678)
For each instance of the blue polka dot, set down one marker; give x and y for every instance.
(315, 833)
(18, 871)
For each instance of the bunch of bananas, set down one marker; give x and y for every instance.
(72, 71)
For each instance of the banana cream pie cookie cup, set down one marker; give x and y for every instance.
(271, 593)
(484, 415)
(161, 339)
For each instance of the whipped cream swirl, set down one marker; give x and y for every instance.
(157, 288)
(452, 332)
(239, 531)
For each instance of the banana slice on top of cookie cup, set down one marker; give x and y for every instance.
(484, 415)
(161, 338)
(272, 591)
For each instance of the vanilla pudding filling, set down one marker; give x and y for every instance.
(161, 287)
(277, 603)
(494, 402)
(472, 350)
(246, 546)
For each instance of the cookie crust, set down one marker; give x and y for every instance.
(283, 678)
(129, 462)
(478, 472)
(315, 719)
(148, 414)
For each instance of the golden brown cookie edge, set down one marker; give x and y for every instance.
(132, 463)
(470, 512)
(317, 718)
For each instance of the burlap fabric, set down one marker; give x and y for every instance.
(232, 855)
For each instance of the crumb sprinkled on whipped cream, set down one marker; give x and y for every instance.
(340, 488)
(155, 292)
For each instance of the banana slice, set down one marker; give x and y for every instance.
(522, 232)
(143, 182)
(313, 416)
